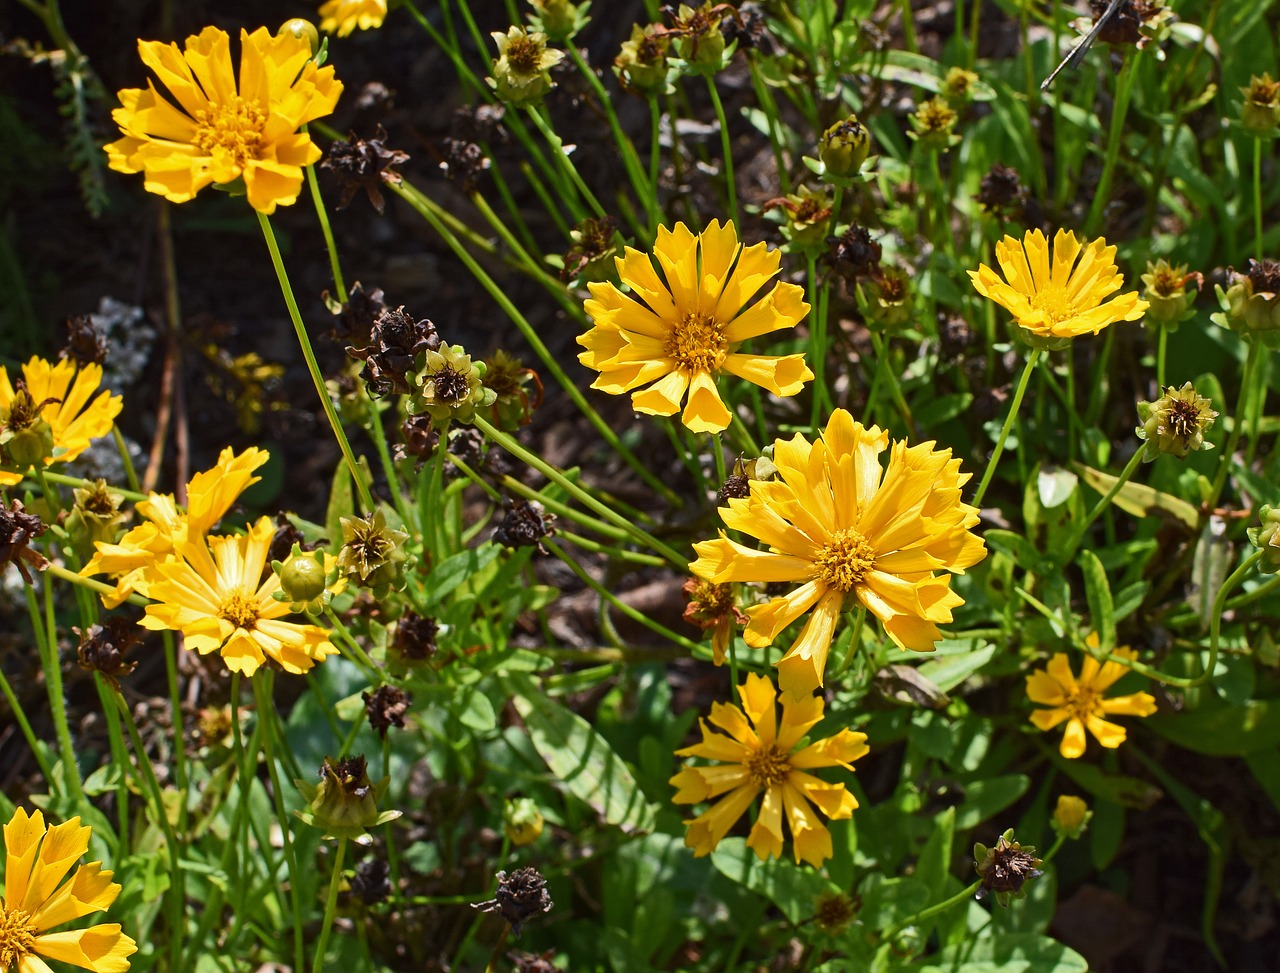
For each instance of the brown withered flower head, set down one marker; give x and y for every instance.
(102, 647)
(371, 882)
(385, 707)
(283, 539)
(524, 525)
(1006, 868)
(522, 895)
(711, 608)
(518, 389)
(86, 345)
(364, 164)
(358, 314)
(415, 637)
(1125, 25)
(1001, 192)
(375, 99)
(592, 248)
(746, 25)
(834, 912)
(855, 255)
(17, 530)
(463, 163)
(530, 963)
(418, 439)
(481, 123)
(395, 343)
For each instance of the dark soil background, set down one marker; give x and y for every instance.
(1143, 913)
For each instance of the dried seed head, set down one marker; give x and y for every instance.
(385, 707)
(86, 345)
(17, 530)
(392, 355)
(524, 525)
(522, 895)
(364, 164)
(834, 912)
(371, 882)
(463, 163)
(747, 26)
(1006, 868)
(1001, 192)
(102, 647)
(529, 963)
(358, 315)
(285, 539)
(855, 255)
(415, 637)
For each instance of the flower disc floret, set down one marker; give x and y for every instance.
(1059, 295)
(217, 125)
(758, 754)
(681, 330)
(848, 532)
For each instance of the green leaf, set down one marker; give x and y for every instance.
(1008, 953)
(984, 798)
(935, 411)
(1097, 592)
(1021, 550)
(949, 671)
(1220, 729)
(341, 504)
(886, 901)
(1139, 499)
(934, 865)
(581, 758)
(1116, 788)
(790, 887)
(1055, 485)
(452, 571)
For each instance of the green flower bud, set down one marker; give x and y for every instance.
(345, 805)
(1175, 423)
(844, 148)
(559, 19)
(305, 581)
(1071, 816)
(302, 29)
(1250, 304)
(1266, 539)
(522, 821)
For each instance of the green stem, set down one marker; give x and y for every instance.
(330, 906)
(562, 157)
(895, 389)
(357, 654)
(909, 28)
(76, 481)
(1161, 344)
(1130, 468)
(267, 714)
(46, 635)
(130, 474)
(426, 209)
(1257, 196)
(655, 158)
(379, 437)
(1008, 424)
(559, 479)
(726, 145)
(1124, 89)
(322, 215)
(33, 742)
(58, 571)
(313, 366)
(933, 910)
(1237, 428)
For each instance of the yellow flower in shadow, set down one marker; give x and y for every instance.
(70, 401)
(681, 332)
(1081, 703)
(850, 532)
(226, 124)
(1060, 295)
(341, 17)
(215, 593)
(757, 755)
(37, 859)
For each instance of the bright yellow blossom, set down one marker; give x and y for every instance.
(341, 17)
(1049, 298)
(210, 494)
(851, 532)
(688, 328)
(70, 400)
(36, 899)
(759, 755)
(226, 125)
(215, 593)
(1080, 702)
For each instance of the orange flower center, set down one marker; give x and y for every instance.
(844, 561)
(1054, 302)
(232, 127)
(17, 936)
(768, 766)
(697, 343)
(239, 610)
(1083, 701)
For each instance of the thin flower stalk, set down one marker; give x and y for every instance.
(989, 472)
(726, 150)
(330, 245)
(1115, 140)
(538, 115)
(330, 905)
(44, 627)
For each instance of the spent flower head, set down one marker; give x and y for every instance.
(844, 148)
(590, 256)
(641, 66)
(958, 85)
(1001, 192)
(1260, 112)
(86, 342)
(522, 70)
(1266, 538)
(364, 164)
(933, 125)
(341, 17)
(1165, 290)
(1082, 703)
(758, 754)
(1060, 295)
(886, 303)
(373, 554)
(450, 387)
(848, 532)
(711, 608)
(1251, 304)
(522, 895)
(345, 804)
(1006, 868)
(17, 530)
(834, 912)
(95, 516)
(1175, 423)
(697, 38)
(559, 19)
(804, 217)
(682, 333)
(517, 390)
(227, 126)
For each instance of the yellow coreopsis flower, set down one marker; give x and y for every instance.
(1056, 297)
(62, 402)
(851, 532)
(688, 328)
(215, 593)
(759, 755)
(1080, 702)
(37, 858)
(225, 126)
(341, 17)
(210, 495)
